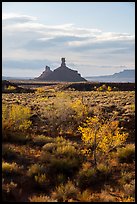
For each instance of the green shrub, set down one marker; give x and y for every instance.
(126, 154)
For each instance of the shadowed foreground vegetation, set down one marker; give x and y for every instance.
(65, 145)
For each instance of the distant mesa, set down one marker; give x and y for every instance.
(123, 76)
(62, 73)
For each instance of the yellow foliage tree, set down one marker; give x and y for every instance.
(103, 137)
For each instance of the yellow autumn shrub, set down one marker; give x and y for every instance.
(15, 118)
(102, 136)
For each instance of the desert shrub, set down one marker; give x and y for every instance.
(65, 192)
(87, 178)
(62, 148)
(128, 199)
(106, 197)
(67, 166)
(8, 190)
(68, 114)
(126, 154)
(69, 151)
(40, 140)
(109, 88)
(61, 156)
(49, 147)
(41, 198)
(103, 171)
(10, 168)
(35, 169)
(61, 178)
(40, 90)
(129, 188)
(8, 152)
(41, 180)
(9, 186)
(102, 88)
(126, 177)
(85, 196)
(15, 118)
(102, 136)
(11, 88)
(39, 175)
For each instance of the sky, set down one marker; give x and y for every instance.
(96, 38)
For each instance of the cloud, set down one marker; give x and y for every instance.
(15, 17)
(28, 43)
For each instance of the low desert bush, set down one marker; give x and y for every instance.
(61, 156)
(106, 197)
(61, 178)
(11, 88)
(50, 147)
(67, 166)
(129, 188)
(40, 90)
(126, 177)
(128, 199)
(85, 196)
(41, 140)
(8, 152)
(35, 169)
(10, 168)
(9, 186)
(8, 190)
(103, 170)
(68, 114)
(41, 180)
(93, 176)
(41, 198)
(39, 175)
(87, 178)
(67, 150)
(61, 148)
(65, 192)
(126, 154)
